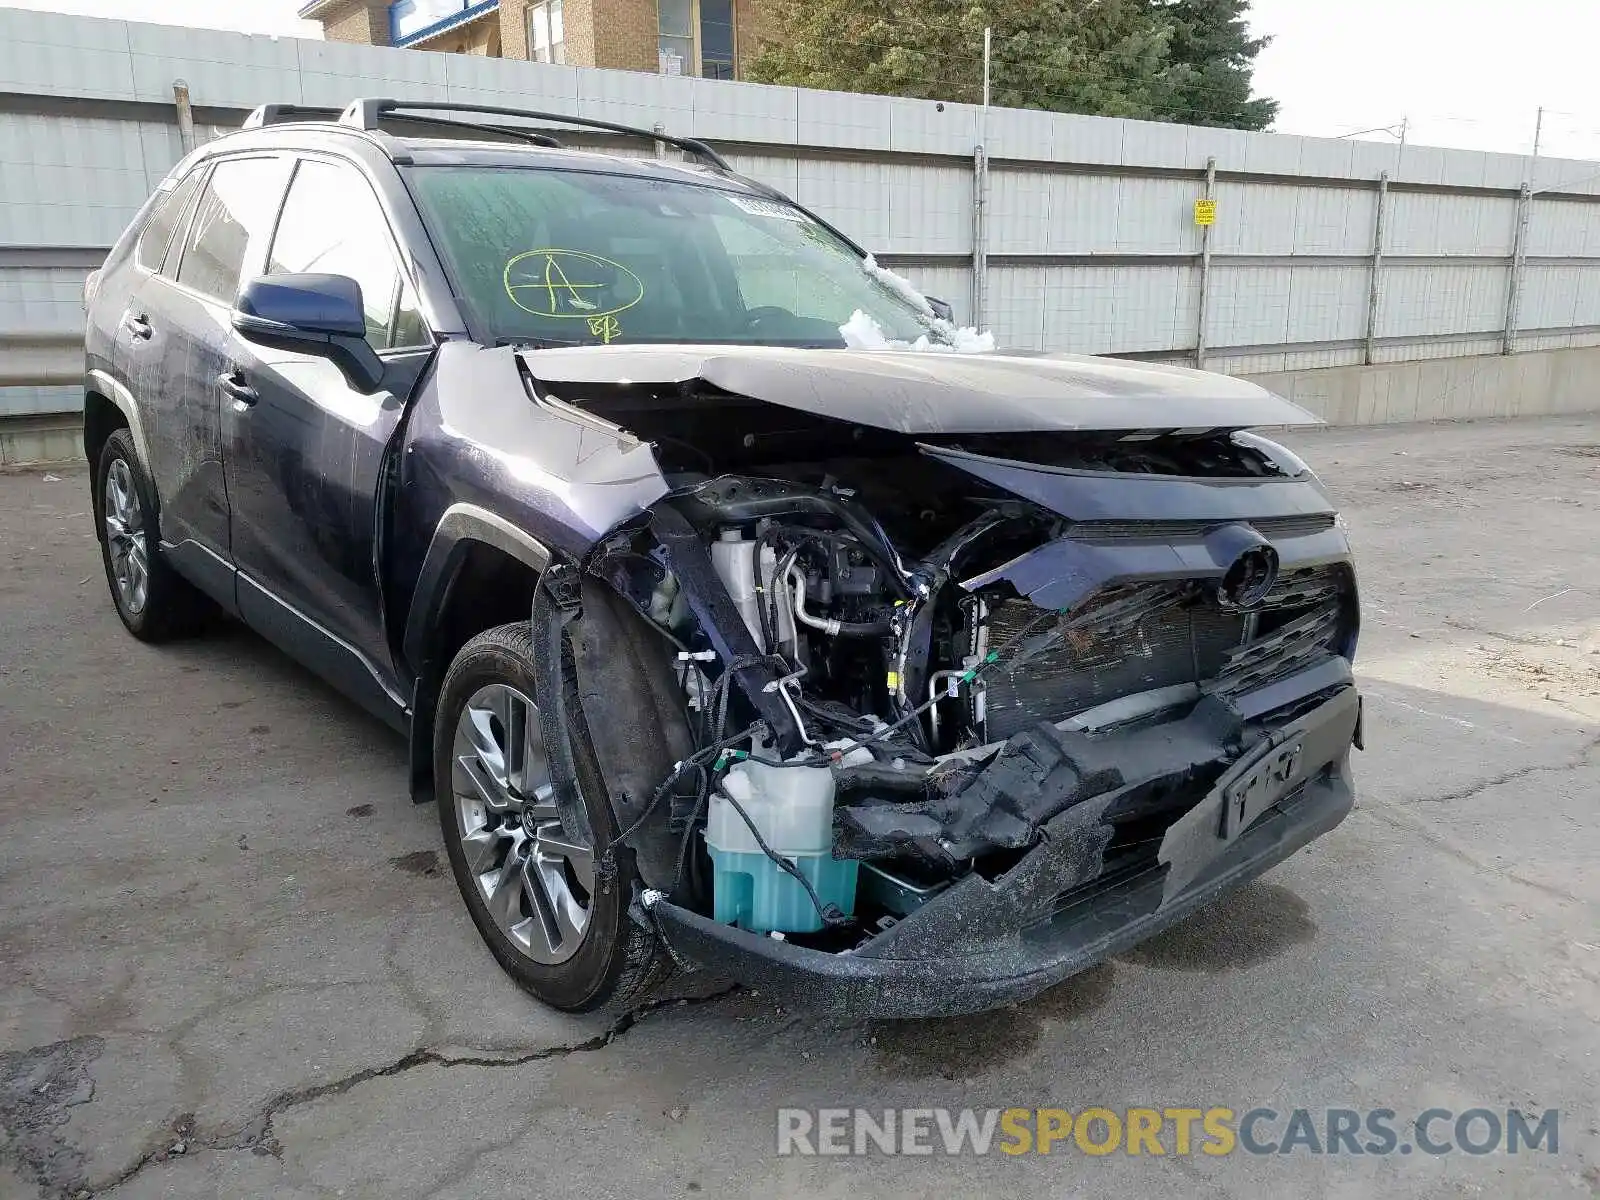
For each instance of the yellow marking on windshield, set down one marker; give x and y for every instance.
(571, 285)
(553, 273)
(605, 328)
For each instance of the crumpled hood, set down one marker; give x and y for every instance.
(923, 393)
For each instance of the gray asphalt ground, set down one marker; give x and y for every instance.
(232, 961)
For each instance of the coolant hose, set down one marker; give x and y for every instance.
(828, 625)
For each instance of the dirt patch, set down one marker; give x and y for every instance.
(1248, 927)
(1546, 675)
(965, 1047)
(358, 810)
(418, 862)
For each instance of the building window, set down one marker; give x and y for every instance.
(716, 39)
(547, 34)
(695, 37)
(675, 46)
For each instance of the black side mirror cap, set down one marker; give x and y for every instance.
(941, 309)
(315, 314)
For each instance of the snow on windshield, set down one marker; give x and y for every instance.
(861, 332)
(897, 283)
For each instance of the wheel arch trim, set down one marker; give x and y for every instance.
(462, 526)
(102, 383)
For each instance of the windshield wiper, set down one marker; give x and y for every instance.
(537, 343)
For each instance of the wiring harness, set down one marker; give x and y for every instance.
(707, 765)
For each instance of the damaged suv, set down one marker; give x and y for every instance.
(738, 618)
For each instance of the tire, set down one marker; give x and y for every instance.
(613, 963)
(154, 601)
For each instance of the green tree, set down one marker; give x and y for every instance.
(1213, 55)
(1108, 57)
(888, 47)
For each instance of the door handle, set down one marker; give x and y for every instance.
(139, 326)
(233, 383)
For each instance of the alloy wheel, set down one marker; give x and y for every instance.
(125, 538)
(536, 881)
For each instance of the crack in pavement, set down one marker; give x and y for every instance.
(255, 1136)
(1399, 817)
(463, 1166)
(38, 1089)
(1515, 639)
(1580, 759)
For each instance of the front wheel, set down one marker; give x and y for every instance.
(529, 885)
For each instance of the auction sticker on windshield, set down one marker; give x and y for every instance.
(769, 208)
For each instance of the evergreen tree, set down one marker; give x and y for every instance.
(1107, 57)
(1213, 55)
(1181, 60)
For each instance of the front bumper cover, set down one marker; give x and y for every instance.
(985, 943)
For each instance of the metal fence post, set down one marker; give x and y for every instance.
(1375, 290)
(1205, 271)
(980, 234)
(980, 198)
(180, 98)
(1519, 260)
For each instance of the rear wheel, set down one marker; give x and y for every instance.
(530, 885)
(153, 600)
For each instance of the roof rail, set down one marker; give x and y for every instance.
(283, 114)
(531, 136)
(368, 114)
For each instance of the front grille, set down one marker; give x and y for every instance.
(1138, 637)
(1291, 647)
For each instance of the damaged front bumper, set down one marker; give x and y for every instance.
(1065, 904)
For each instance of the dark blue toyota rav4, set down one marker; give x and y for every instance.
(739, 615)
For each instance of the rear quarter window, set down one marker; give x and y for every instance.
(164, 220)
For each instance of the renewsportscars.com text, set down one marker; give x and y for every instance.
(1216, 1131)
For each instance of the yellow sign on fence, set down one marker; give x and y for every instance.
(1205, 212)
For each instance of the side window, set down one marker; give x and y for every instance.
(332, 224)
(164, 220)
(231, 225)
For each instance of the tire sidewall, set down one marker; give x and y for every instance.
(585, 980)
(119, 446)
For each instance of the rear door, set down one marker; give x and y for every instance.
(135, 355)
(305, 451)
(182, 340)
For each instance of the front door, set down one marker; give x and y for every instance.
(305, 451)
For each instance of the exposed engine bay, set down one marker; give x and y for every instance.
(897, 660)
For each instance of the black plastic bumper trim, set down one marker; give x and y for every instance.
(1027, 958)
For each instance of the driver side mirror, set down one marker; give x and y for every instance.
(315, 314)
(941, 309)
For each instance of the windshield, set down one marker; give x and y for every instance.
(548, 257)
